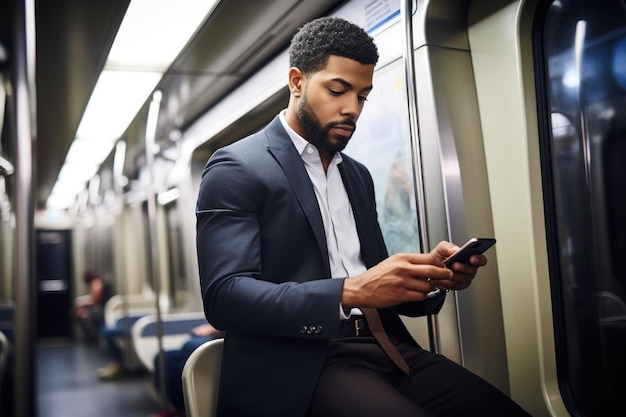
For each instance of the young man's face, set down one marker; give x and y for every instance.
(332, 101)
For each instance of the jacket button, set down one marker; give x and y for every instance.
(303, 329)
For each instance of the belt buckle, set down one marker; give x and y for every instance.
(356, 327)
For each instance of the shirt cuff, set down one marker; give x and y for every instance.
(342, 314)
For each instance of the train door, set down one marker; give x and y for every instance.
(582, 97)
(54, 283)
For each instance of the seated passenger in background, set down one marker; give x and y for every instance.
(88, 310)
(116, 367)
(173, 364)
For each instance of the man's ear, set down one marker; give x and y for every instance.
(296, 81)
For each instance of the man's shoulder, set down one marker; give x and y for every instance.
(257, 139)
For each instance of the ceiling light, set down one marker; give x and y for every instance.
(115, 101)
(151, 36)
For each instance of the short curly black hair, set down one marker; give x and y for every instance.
(316, 40)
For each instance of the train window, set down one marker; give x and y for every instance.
(581, 76)
(175, 249)
(149, 266)
(382, 141)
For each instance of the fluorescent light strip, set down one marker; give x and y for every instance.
(150, 37)
(114, 103)
(155, 31)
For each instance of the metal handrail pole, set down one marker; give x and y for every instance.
(406, 15)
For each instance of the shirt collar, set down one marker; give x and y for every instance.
(299, 142)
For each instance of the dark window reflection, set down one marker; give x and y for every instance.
(583, 49)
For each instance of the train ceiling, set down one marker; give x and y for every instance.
(73, 38)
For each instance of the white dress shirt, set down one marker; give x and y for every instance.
(344, 247)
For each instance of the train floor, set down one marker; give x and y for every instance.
(67, 384)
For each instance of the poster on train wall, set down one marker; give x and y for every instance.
(382, 142)
(372, 15)
(380, 12)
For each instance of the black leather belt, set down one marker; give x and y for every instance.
(355, 327)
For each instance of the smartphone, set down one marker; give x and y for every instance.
(473, 246)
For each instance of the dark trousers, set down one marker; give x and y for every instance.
(359, 380)
(110, 335)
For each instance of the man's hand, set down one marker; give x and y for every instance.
(463, 273)
(406, 277)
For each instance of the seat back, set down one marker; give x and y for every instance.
(123, 311)
(201, 379)
(120, 305)
(176, 328)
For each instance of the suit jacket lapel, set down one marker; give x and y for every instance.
(362, 210)
(285, 152)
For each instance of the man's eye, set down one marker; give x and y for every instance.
(362, 99)
(335, 92)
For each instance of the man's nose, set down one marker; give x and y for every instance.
(352, 106)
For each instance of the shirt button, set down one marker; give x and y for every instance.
(309, 150)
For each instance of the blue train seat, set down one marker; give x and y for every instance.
(176, 329)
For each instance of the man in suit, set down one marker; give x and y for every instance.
(291, 258)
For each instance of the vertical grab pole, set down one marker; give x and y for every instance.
(406, 14)
(24, 208)
(26, 133)
(151, 128)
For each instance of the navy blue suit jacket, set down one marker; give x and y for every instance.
(264, 271)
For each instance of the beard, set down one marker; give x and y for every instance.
(319, 135)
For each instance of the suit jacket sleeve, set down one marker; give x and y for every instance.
(261, 267)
